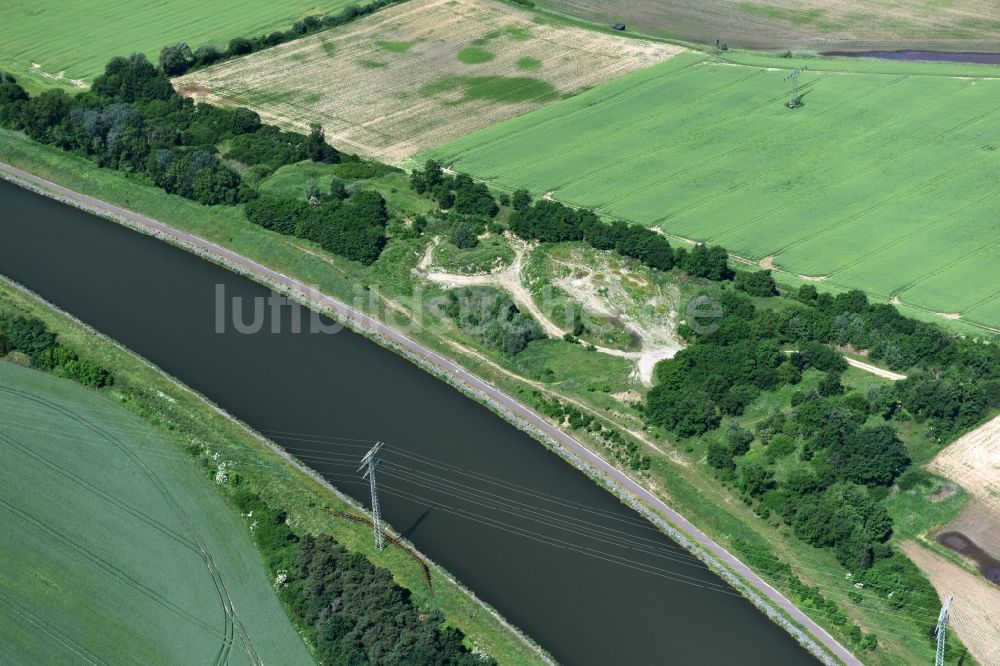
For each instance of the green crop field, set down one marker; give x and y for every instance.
(55, 42)
(883, 180)
(103, 526)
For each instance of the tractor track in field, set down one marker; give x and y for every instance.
(233, 626)
(867, 133)
(700, 165)
(740, 148)
(626, 127)
(671, 142)
(115, 572)
(910, 233)
(54, 633)
(855, 174)
(89, 487)
(934, 180)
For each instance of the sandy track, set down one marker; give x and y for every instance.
(510, 280)
(874, 369)
(622, 483)
(975, 612)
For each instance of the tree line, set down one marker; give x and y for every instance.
(840, 449)
(351, 611)
(350, 226)
(31, 337)
(133, 121)
(549, 221)
(179, 58)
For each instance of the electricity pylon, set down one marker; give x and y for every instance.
(371, 461)
(794, 78)
(941, 631)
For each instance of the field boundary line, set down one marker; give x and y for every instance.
(47, 627)
(868, 132)
(620, 96)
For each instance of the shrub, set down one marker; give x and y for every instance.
(176, 58)
(758, 283)
(464, 236)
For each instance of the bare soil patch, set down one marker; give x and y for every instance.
(981, 524)
(377, 98)
(974, 615)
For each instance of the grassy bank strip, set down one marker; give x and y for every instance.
(736, 581)
(695, 494)
(192, 423)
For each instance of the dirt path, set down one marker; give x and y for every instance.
(542, 388)
(874, 369)
(424, 264)
(507, 278)
(510, 280)
(975, 612)
(580, 455)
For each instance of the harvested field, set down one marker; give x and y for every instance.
(973, 461)
(421, 73)
(67, 42)
(882, 180)
(974, 616)
(789, 24)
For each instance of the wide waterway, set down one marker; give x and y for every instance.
(558, 556)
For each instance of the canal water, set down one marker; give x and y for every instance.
(558, 556)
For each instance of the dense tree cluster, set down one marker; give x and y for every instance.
(831, 495)
(705, 261)
(757, 283)
(552, 222)
(176, 59)
(32, 338)
(493, 318)
(270, 148)
(352, 611)
(132, 120)
(457, 193)
(353, 227)
(464, 236)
